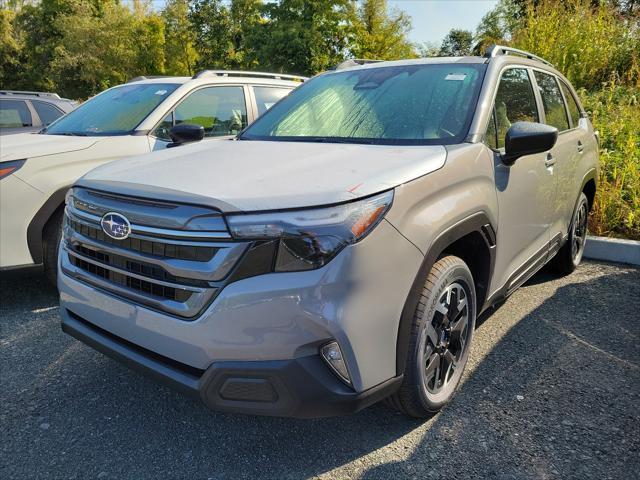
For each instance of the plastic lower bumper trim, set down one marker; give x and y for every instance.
(302, 387)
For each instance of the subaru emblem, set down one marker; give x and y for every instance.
(115, 225)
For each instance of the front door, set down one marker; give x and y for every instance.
(526, 190)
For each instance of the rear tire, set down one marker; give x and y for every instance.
(51, 242)
(570, 255)
(440, 340)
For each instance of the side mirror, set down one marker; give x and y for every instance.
(527, 138)
(185, 133)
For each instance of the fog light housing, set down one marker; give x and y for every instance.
(332, 355)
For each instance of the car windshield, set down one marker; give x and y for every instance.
(408, 105)
(116, 111)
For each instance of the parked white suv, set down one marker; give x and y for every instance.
(146, 114)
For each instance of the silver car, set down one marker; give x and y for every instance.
(23, 112)
(339, 252)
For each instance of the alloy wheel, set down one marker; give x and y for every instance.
(446, 338)
(579, 233)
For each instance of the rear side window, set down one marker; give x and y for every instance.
(14, 113)
(515, 102)
(572, 105)
(266, 97)
(552, 100)
(47, 112)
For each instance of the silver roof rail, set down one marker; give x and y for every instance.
(35, 94)
(147, 77)
(240, 73)
(354, 62)
(495, 50)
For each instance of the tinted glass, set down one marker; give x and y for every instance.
(266, 97)
(114, 112)
(47, 112)
(411, 104)
(220, 110)
(574, 110)
(14, 113)
(515, 101)
(552, 100)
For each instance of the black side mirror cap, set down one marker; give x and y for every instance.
(185, 133)
(527, 138)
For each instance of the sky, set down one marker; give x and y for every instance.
(432, 19)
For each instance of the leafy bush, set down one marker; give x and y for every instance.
(615, 111)
(597, 48)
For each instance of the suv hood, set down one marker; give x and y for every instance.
(266, 175)
(30, 145)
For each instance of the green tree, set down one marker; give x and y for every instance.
(457, 43)
(224, 34)
(380, 33)
(305, 36)
(11, 49)
(180, 53)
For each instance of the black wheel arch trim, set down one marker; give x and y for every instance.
(589, 176)
(477, 222)
(35, 230)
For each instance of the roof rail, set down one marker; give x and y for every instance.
(354, 62)
(240, 73)
(148, 77)
(495, 50)
(25, 92)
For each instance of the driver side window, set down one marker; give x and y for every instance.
(220, 110)
(515, 102)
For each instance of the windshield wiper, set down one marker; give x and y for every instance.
(71, 134)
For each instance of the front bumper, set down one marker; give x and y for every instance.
(301, 387)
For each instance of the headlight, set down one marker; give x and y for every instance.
(309, 239)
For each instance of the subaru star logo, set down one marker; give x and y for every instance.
(115, 225)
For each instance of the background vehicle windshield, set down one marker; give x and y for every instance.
(114, 112)
(410, 104)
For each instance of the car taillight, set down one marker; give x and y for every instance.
(7, 168)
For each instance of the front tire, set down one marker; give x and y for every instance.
(51, 242)
(440, 341)
(570, 255)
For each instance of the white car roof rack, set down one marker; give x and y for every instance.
(495, 50)
(26, 92)
(239, 73)
(354, 62)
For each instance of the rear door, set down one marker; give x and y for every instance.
(561, 159)
(525, 190)
(579, 141)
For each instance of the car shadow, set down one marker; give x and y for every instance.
(551, 397)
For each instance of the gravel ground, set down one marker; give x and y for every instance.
(552, 391)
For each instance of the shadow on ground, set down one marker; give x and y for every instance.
(552, 392)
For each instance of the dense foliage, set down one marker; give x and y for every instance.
(80, 47)
(596, 44)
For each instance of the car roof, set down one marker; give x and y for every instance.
(64, 102)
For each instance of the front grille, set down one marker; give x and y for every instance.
(159, 268)
(136, 284)
(169, 250)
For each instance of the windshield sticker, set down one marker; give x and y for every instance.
(456, 76)
(161, 92)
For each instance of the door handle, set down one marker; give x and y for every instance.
(580, 147)
(550, 161)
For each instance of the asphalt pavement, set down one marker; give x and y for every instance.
(552, 391)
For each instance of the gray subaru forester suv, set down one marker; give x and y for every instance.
(340, 250)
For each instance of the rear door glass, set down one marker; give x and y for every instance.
(572, 105)
(554, 109)
(47, 112)
(266, 97)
